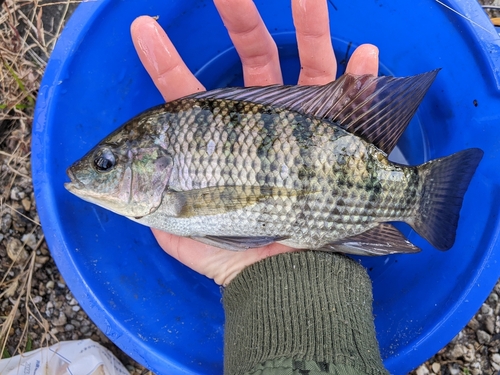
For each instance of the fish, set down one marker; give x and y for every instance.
(305, 166)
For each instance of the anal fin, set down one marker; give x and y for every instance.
(384, 239)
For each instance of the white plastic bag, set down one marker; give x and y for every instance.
(83, 357)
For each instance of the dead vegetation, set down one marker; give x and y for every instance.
(36, 308)
(24, 50)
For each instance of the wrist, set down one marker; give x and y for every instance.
(309, 305)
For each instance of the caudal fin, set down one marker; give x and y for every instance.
(445, 182)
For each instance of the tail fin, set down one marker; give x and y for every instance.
(445, 182)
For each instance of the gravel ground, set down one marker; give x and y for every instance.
(36, 307)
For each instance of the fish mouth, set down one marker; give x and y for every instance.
(75, 184)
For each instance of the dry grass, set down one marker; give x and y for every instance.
(18, 290)
(28, 32)
(25, 46)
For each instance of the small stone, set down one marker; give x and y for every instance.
(30, 240)
(16, 194)
(50, 284)
(76, 308)
(19, 226)
(69, 327)
(454, 369)
(422, 370)
(493, 298)
(68, 311)
(496, 358)
(473, 324)
(457, 351)
(26, 204)
(42, 259)
(470, 354)
(6, 223)
(37, 299)
(483, 337)
(490, 324)
(457, 338)
(496, 366)
(16, 251)
(23, 170)
(486, 310)
(60, 321)
(497, 288)
(94, 337)
(436, 367)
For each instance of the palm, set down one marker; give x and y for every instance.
(218, 264)
(260, 63)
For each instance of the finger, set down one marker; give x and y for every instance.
(317, 60)
(160, 58)
(255, 46)
(364, 60)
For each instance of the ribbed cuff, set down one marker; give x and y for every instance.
(306, 306)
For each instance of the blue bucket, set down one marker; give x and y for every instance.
(170, 318)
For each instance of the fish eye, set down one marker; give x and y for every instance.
(104, 160)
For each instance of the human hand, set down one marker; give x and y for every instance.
(259, 58)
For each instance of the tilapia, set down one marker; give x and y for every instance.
(306, 166)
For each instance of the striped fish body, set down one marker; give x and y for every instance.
(253, 170)
(245, 168)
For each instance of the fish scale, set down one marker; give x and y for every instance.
(249, 132)
(304, 166)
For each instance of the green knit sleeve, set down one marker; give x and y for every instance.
(306, 312)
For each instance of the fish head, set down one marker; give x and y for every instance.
(126, 177)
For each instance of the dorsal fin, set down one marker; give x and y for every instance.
(378, 109)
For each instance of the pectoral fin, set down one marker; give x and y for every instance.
(220, 199)
(384, 239)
